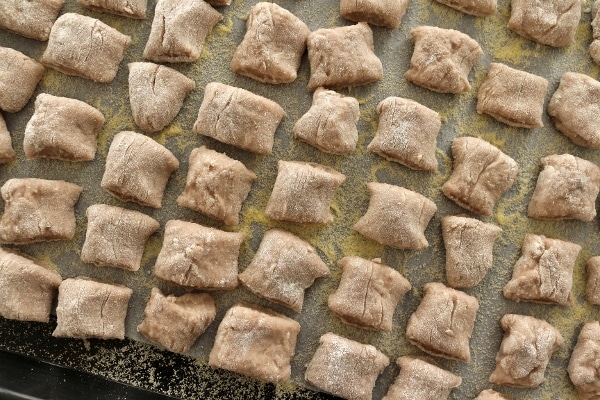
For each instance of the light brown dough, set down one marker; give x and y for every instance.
(376, 12)
(595, 51)
(490, 394)
(7, 153)
(592, 287)
(595, 46)
(20, 76)
(478, 8)
(126, 8)
(29, 18)
(583, 369)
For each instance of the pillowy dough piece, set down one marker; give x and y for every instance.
(63, 129)
(85, 47)
(156, 94)
(442, 59)
(116, 237)
(177, 322)
(469, 245)
(137, 169)
(91, 309)
(490, 394)
(368, 293)
(525, 351)
(342, 57)
(28, 287)
(345, 368)
(31, 18)
(544, 272)
(376, 12)
(512, 96)
(551, 22)
(303, 192)
(179, 29)
(255, 342)
(330, 124)
(282, 268)
(481, 175)
(566, 188)
(592, 288)
(478, 8)
(421, 379)
(216, 185)
(38, 210)
(595, 46)
(396, 217)
(20, 76)
(126, 8)
(7, 153)
(407, 133)
(198, 256)
(583, 368)
(238, 117)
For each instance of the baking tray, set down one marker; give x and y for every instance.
(138, 363)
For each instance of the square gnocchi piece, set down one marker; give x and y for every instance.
(255, 342)
(38, 210)
(179, 29)
(272, 48)
(216, 185)
(283, 267)
(469, 245)
(376, 12)
(592, 287)
(238, 117)
(63, 129)
(396, 217)
(7, 153)
(20, 76)
(303, 192)
(490, 394)
(345, 368)
(95, 54)
(116, 237)
(330, 124)
(127, 8)
(31, 18)
(583, 369)
(421, 379)
(342, 57)
(368, 293)
(478, 8)
(407, 133)
(566, 188)
(443, 323)
(544, 272)
(482, 174)
(27, 287)
(525, 351)
(442, 59)
(198, 256)
(156, 94)
(91, 309)
(512, 96)
(177, 322)
(138, 169)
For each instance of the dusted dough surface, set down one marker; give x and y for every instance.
(595, 46)
(478, 8)
(7, 153)
(490, 394)
(29, 18)
(584, 370)
(592, 287)
(126, 8)
(376, 12)
(18, 80)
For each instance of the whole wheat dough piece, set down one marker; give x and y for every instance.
(19, 78)
(156, 94)
(342, 57)
(592, 287)
(469, 245)
(238, 117)
(478, 8)
(177, 322)
(421, 379)
(7, 153)
(127, 8)
(38, 210)
(179, 29)
(345, 368)
(85, 47)
(595, 50)
(490, 394)
(283, 267)
(551, 22)
(137, 169)
(63, 129)
(216, 185)
(303, 192)
(396, 217)
(443, 323)
(544, 272)
(198, 256)
(512, 96)
(27, 287)
(30, 18)
(368, 293)
(116, 237)
(91, 309)
(442, 59)
(255, 342)
(330, 124)
(525, 351)
(376, 12)
(566, 188)
(595, 46)
(482, 174)
(583, 369)
(407, 133)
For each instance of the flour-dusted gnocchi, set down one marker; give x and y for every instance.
(478, 8)
(592, 287)
(126, 8)
(20, 76)
(583, 368)
(7, 153)
(31, 18)
(490, 394)
(595, 46)
(376, 12)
